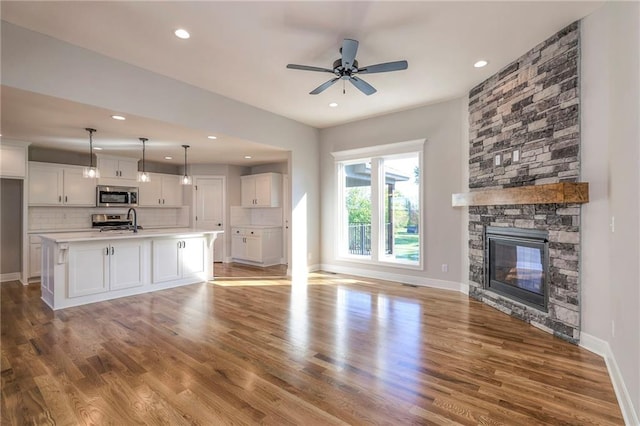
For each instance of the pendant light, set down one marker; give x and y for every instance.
(143, 176)
(90, 172)
(186, 179)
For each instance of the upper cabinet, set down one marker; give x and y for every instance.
(162, 191)
(13, 160)
(117, 170)
(261, 190)
(60, 185)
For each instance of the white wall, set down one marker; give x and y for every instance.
(610, 71)
(41, 64)
(443, 126)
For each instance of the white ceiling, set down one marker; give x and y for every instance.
(240, 50)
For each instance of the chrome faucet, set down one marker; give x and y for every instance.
(135, 218)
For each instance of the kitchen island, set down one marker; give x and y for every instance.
(86, 267)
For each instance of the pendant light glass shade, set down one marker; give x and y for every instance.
(143, 176)
(186, 179)
(90, 172)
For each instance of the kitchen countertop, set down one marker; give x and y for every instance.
(67, 237)
(65, 231)
(257, 226)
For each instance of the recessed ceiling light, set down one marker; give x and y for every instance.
(97, 148)
(333, 104)
(168, 158)
(182, 33)
(118, 117)
(212, 137)
(247, 157)
(481, 63)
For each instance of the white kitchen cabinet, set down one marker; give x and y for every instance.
(260, 246)
(78, 190)
(13, 160)
(99, 267)
(178, 258)
(162, 191)
(35, 256)
(261, 190)
(88, 269)
(117, 170)
(60, 185)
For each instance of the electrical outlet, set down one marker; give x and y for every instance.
(445, 267)
(613, 328)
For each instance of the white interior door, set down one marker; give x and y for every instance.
(210, 199)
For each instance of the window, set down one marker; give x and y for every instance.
(379, 199)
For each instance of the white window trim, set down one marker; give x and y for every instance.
(375, 154)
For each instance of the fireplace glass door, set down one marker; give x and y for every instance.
(517, 265)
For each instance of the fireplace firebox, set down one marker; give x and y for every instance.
(517, 264)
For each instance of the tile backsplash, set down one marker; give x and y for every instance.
(65, 218)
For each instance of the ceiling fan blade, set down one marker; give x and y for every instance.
(324, 86)
(386, 67)
(363, 86)
(308, 68)
(349, 50)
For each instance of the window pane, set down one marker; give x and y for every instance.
(402, 209)
(357, 199)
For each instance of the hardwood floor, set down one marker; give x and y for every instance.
(239, 270)
(334, 350)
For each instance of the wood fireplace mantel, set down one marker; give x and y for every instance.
(553, 193)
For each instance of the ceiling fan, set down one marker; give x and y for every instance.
(346, 68)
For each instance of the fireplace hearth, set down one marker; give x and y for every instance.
(517, 264)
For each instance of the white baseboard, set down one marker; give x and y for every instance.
(401, 278)
(12, 276)
(313, 268)
(602, 348)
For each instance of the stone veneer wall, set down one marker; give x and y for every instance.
(533, 105)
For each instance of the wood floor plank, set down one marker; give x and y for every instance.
(250, 349)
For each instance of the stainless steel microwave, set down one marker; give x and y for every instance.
(116, 196)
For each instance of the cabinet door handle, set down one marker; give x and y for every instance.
(163, 201)
(66, 199)
(112, 250)
(59, 198)
(106, 251)
(179, 244)
(159, 201)
(184, 244)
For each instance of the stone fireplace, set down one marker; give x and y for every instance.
(524, 131)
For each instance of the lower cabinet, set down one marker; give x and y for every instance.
(35, 256)
(261, 246)
(100, 267)
(178, 258)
